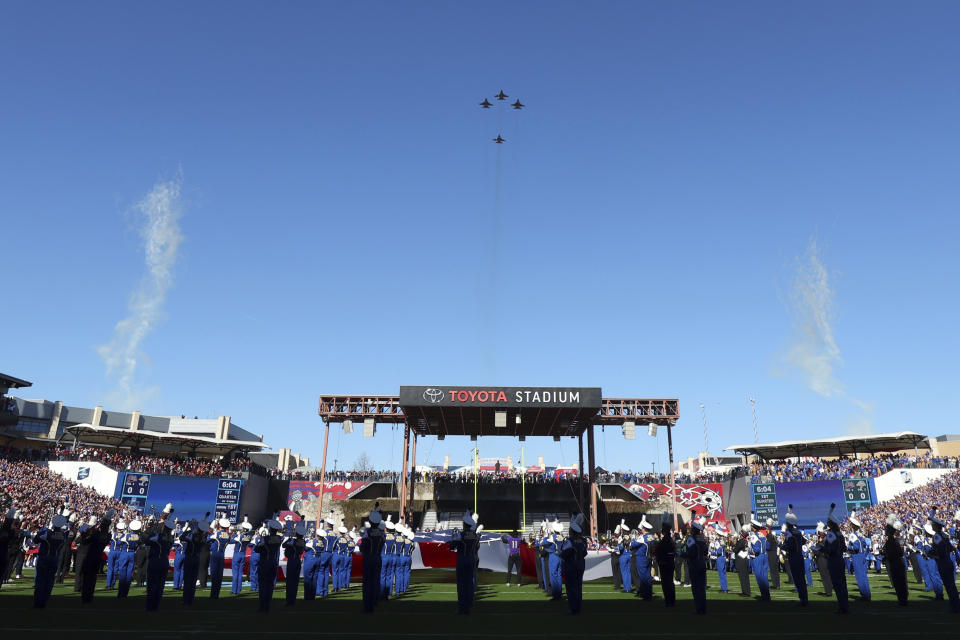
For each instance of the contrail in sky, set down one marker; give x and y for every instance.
(157, 216)
(814, 351)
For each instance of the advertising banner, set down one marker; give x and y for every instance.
(702, 499)
(304, 495)
(506, 397)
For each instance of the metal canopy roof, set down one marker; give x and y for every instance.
(13, 383)
(472, 411)
(114, 437)
(829, 447)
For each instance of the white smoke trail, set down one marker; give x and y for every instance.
(158, 217)
(814, 352)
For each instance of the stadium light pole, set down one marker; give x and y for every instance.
(673, 478)
(706, 441)
(403, 473)
(753, 406)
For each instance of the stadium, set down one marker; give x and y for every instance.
(220, 475)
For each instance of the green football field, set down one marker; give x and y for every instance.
(429, 611)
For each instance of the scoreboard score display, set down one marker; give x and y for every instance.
(136, 488)
(228, 499)
(856, 494)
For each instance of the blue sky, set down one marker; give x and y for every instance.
(348, 226)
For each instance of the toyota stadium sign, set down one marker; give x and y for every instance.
(517, 397)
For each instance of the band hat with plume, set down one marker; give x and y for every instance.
(698, 523)
(854, 520)
(374, 518)
(928, 529)
(644, 524)
(832, 516)
(754, 522)
(468, 520)
(791, 517)
(136, 525)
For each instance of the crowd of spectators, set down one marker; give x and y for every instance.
(149, 463)
(38, 493)
(313, 475)
(842, 468)
(913, 506)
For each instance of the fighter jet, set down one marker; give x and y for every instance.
(486, 104)
(499, 139)
(501, 95)
(518, 105)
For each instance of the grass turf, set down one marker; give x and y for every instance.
(429, 610)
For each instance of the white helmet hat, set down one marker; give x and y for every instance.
(644, 524)
(246, 526)
(854, 520)
(121, 525)
(390, 524)
(92, 521)
(342, 529)
(224, 523)
(168, 509)
(754, 522)
(928, 527)
(136, 525)
(557, 527)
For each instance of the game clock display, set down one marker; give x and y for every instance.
(856, 494)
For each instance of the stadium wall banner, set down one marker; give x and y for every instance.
(191, 497)
(303, 496)
(893, 483)
(506, 397)
(702, 499)
(94, 475)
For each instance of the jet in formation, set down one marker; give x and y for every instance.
(499, 139)
(518, 105)
(486, 104)
(501, 95)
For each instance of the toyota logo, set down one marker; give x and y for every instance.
(433, 396)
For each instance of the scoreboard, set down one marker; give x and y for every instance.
(136, 488)
(765, 501)
(856, 494)
(228, 499)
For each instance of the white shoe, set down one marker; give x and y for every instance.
(508, 584)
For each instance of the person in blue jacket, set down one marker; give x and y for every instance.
(113, 556)
(269, 548)
(241, 542)
(49, 541)
(641, 546)
(293, 547)
(858, 547)
(695, 551)
(254, 562)
(314, 546)
(177, 557)
(759, 560)
(465, 544)
(623, 550)
(834, 546)
(719, 551)
(551, 545)
(942, 553)
(341, 547)
(573, 552)
(218, 541)
(128, 551)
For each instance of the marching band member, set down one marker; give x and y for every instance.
(623, 550)
(465, 544)
(759, 561)
(773, 558)
(128, 552)
(95, 538)
(293, 548)
(371, 547)
(177, 556)
(833, 545)
(241, 542)
(858, 547)
(666, 553)
(313, 547)
(388, 563)
(354, 542)
(611, 547)
(741, 560)
(113, 556)
(941, 553)
(269, 561)
(218, 541)
(572, 552)
(641, 548)
(695, 551)
(328, 539)
(158, 540)
(896, 565)
(552, 546)
(719, 551)
(793, 542)
(49, 541)
(341, 547)
(820, 557)
(193, 539)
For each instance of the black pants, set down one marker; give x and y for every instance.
(698, 584)
(191, 567)
(293, 580)
(615, 564)
(156, 576)
(825, 575)
(267, 573)
(666, 584)
(795, 568)
(898, 578)
(88, 583)
(743, 574)
(371, 581)
(538, 565)
(514, 561)
(838, 578)
(203, 570)
(81, 559)
(774, 563)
